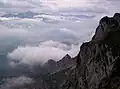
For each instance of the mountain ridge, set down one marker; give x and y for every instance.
(97, 65)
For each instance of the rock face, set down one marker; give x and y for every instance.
(98, 62)
(55, 66)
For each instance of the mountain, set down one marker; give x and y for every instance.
(60, 65)
(42, 74)
(28, 14)
(98, 62)
(97, 65)
(48, 17)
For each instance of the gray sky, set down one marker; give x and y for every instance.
(59, 29)
(87, 6)
(67, 22)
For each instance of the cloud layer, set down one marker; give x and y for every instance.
(33, 55)
(16, 82)
(66, 21)
(87, 6)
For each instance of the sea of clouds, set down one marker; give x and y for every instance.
(61, 28)
(65, 23)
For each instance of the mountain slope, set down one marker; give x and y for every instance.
(98, 62)
(51, 66)
(47, 76)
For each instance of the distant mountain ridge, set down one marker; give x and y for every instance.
(28, 14)
(41, 73)
(48, 16)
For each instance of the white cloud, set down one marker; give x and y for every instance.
(32, 55)
(13, 32)
(58, 4)
(16, 82)
(33, 30)
(68, 31)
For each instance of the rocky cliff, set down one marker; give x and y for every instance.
(98, 62)
(56, 66)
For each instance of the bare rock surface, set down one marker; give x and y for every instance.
(98, 62)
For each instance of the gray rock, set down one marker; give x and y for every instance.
(98, 62)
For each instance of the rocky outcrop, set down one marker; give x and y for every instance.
(56, 66)
(98, 62)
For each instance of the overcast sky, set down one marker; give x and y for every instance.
(87, 6)
(65, 22)
(59, 29)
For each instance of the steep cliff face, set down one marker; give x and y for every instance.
(56, 66)
(98, 62)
